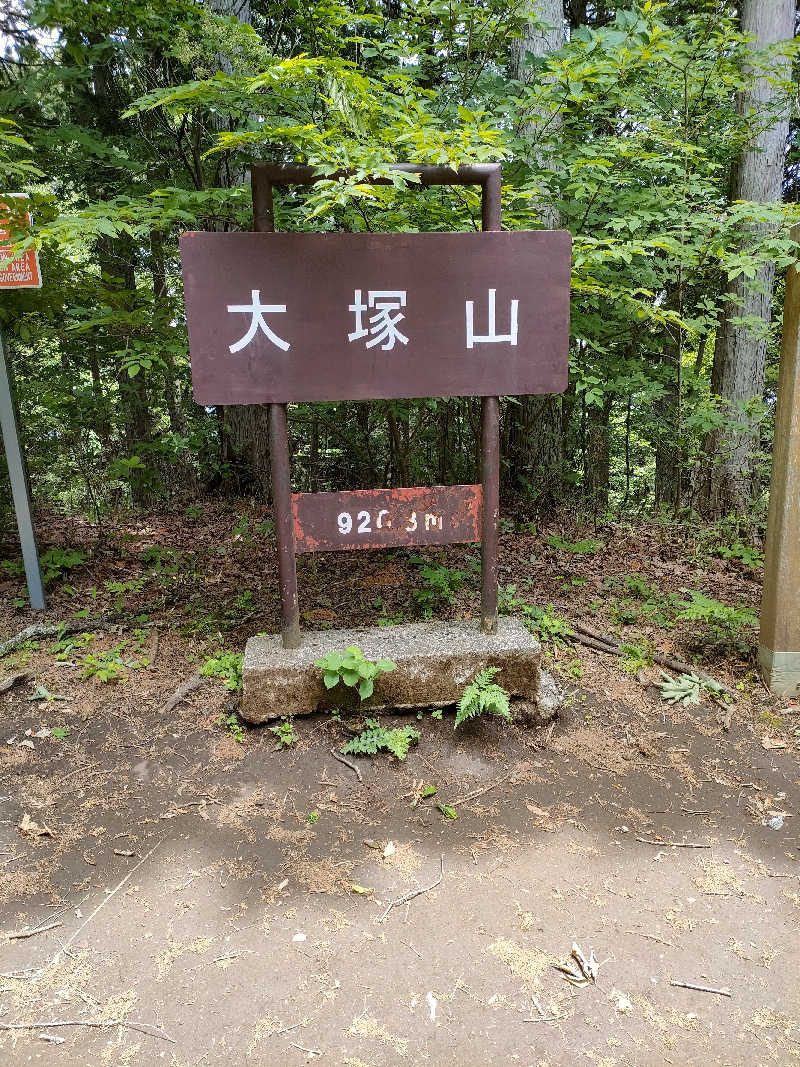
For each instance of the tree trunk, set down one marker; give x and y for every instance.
(740, 351)
(534, 443)
(598, 457)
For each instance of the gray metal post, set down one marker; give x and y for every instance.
(19, 488)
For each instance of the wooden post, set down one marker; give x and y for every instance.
(779, 642)
(264, 222)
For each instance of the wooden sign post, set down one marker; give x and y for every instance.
(302, 317)
(779, 643)
(20, 273)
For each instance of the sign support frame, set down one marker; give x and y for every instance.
(20, 488)
(263, 176)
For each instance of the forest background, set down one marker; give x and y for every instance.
(662, 135)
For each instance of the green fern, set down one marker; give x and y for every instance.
(376, 737)
(482, 695)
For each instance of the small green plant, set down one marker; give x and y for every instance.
(483, 696)
(119, 589)
(725, 623)
(232, 725)
(352, 669)
(66, 646)
(423, 793)
(746, 554)
(107, 666)
(440, 585)
(227, 666)
(376, 737)
(635, 657)
(549, 627)
(688, 688)
(448, 811)
(60, 733)
(284, 732)
(587, 547)
(57, 561)
(573, 669)
(312, 818)
(437, 714)
(41, 692)
(683, 690)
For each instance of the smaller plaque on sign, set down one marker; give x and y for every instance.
(23, 272)
(386, 518)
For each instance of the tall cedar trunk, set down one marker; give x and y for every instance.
(597, 462)
(171, 390)
(740, 351)
(533, 439)
(243, 428)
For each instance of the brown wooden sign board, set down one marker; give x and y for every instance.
(386, 518)
(287, 317)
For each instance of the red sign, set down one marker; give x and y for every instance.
(383, 518)
(23, 272)
(285, 317)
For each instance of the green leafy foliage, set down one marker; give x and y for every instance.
(225, 665)
(748, 555)
(586, 547)
(549, 627)
(352, 669)
(439, 585)
(284, 733)
(232, 726)
(483, 696)
(109, 666)
(448, 811)
(727, 624)
(375, 738)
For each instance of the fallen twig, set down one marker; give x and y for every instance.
(142, 1028)
(105, 901)
(19, 934)
(479, 792)
(673, 844)
(592, 638)
(702, 988)
(338, 756)
(152, 652)
(414, 892)
(310, 1051)
(41, 629)
(181, 693)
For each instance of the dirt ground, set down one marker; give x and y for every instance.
(220, 901)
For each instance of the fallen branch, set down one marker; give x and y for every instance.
(338, 756)
(181, 693)
(152, 652)
(414, 892)
(310, 1051)
(19, 934)
(702, 988)
(479, 792)
(41, 629)
(105, 901)
(96, 1024)
(592, 638)
(672, 844)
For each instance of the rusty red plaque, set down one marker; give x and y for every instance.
(382, 518)
(282, 317)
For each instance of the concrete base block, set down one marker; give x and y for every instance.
(435, 660)
(781, 671)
